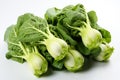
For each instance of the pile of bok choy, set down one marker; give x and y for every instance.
(63, 40)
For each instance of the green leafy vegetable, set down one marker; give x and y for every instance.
(21, 52)
(91, 37)
(74, 60)
(75, 17)
(93, 21)
(36, 28)
(106, 52)
(68, 38)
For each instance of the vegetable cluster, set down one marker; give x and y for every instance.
(65, 39)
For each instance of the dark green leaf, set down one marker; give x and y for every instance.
(51, 15)
(44, 52)
(58, 64)
(95, 52)
(14, 56)
(92, 16)
(82, 49)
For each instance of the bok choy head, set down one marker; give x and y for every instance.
(74, 19)
(21, 52)
(91, 37)
(74, 60)
(105, 53)
(36, 29)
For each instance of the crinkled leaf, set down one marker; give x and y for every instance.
(13, 45)
(13, 55)
(28, 30)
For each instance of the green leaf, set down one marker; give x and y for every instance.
(14, 56)
(82, 49)
(58, 64)
(92, 16)
(43, 50)
(11, 38)
(28, 30)
(51, 15)
(95, 52)
(23, 18)
(106, 35)
(64, 35)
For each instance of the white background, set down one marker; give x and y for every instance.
(108, 12)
